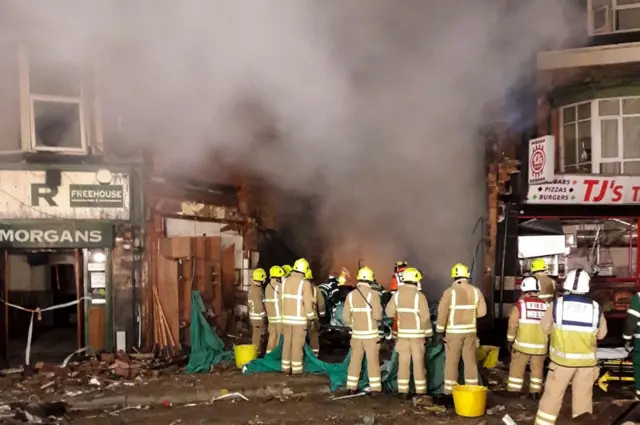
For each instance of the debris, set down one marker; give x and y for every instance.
(138, 407)
(230, 395)
(423, 400)
(47, 385)
(72, 393)
(495, 409)
(435, 408)
(94, 381)
(508, 420)
(177, 421)
(369, 419)
(81, 350)
(166, 403)
(348, 396)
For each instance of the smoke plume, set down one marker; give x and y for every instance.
(370, 107)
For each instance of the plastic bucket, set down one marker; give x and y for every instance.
(470, 401)
(487, 355)
(244, 354)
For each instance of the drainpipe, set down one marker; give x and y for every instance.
(503, 259)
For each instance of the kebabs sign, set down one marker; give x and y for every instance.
(541, 160)
(587, 190)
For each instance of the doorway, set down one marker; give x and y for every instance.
(42, 279)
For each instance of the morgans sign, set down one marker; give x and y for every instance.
(38, 235)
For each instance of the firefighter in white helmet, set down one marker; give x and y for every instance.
(575, 323)
(547, 284)
(526, 341)
(460, 306)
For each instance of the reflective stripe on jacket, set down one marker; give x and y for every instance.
(272, 301)
(254, 301)
(460, 306)
(576, 320)
(297, 300)
(524, 326)
(411, 309)
(363, 312)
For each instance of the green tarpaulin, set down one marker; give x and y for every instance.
(207, 349)
(337, 372)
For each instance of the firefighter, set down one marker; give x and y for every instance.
(526, 341)
(631, 334)
(287, 270)
(411, 309)
(363, 311)
(273, 306)
(297, 310)
(256, 306)
(575, 323)
(460, 306)
(547, 284)
(319, 308)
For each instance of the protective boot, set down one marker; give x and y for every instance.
(584, 417)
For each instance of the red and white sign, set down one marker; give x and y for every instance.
(541, 160)
(587, 189)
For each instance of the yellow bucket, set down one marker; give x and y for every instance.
(244, 354)
(488, 356)
(470, 401)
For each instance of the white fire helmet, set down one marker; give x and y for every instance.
(577, 281)
(530, 284)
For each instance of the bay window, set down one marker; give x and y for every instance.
(601, 136)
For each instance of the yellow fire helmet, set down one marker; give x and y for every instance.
(287, 270)
(538, 265)
(259, 275)
(301, 265)
(276, 271)
(308, 275)
(459, 271)
(365, 274)
(411, 275)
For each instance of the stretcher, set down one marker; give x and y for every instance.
(615, 365)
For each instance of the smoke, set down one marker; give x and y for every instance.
(370, 107)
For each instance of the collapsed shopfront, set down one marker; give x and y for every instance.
(62, 233)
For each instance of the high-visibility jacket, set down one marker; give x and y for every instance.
(411, 309)
(524, 326)
(460, 306)
(272, 300)
(576, 320)
(547, 286)
(396, 279)
(297, 300)
(318, 302)
(254, 301)
(362, 310)
(631, 329)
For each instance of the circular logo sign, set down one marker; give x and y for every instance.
(537, 161)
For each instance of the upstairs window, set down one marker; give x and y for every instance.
(576, 134)
(613, 16)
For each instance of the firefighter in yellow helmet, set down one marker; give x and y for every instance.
(363, 311)
(547, 284)
(411, 309)
(297, 310)
(314, 325)
(460, 306)
(273, 306)
(287, 270)
(257, 313)
(526, 342)
(575, 323)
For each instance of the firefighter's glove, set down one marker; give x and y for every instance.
(628, 346)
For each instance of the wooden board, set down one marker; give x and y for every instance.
(228, 290)
(167, 282)
(97, 327)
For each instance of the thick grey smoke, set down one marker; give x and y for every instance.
(371, 106)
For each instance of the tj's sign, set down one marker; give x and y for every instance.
(26, 194)
(51, 234)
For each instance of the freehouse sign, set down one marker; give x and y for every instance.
(28, 194)
(50, 234)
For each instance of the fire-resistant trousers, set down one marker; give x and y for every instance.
(360, 348)
(517, 368)
(411, 350)
(292, 347)
(314, 338)
(457, 345)
(257, 327)
(275, 330)
(558, 379)
(636, 370)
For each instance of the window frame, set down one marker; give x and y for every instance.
(611, 10)
(596, 135)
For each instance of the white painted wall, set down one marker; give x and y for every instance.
(23, 277)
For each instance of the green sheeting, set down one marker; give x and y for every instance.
(337, 372)
(207, 349)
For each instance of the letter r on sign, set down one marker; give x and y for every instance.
(42, 191)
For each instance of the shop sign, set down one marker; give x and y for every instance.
(51, 234)
(95, 195)
(541, 160)
(586, 190)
